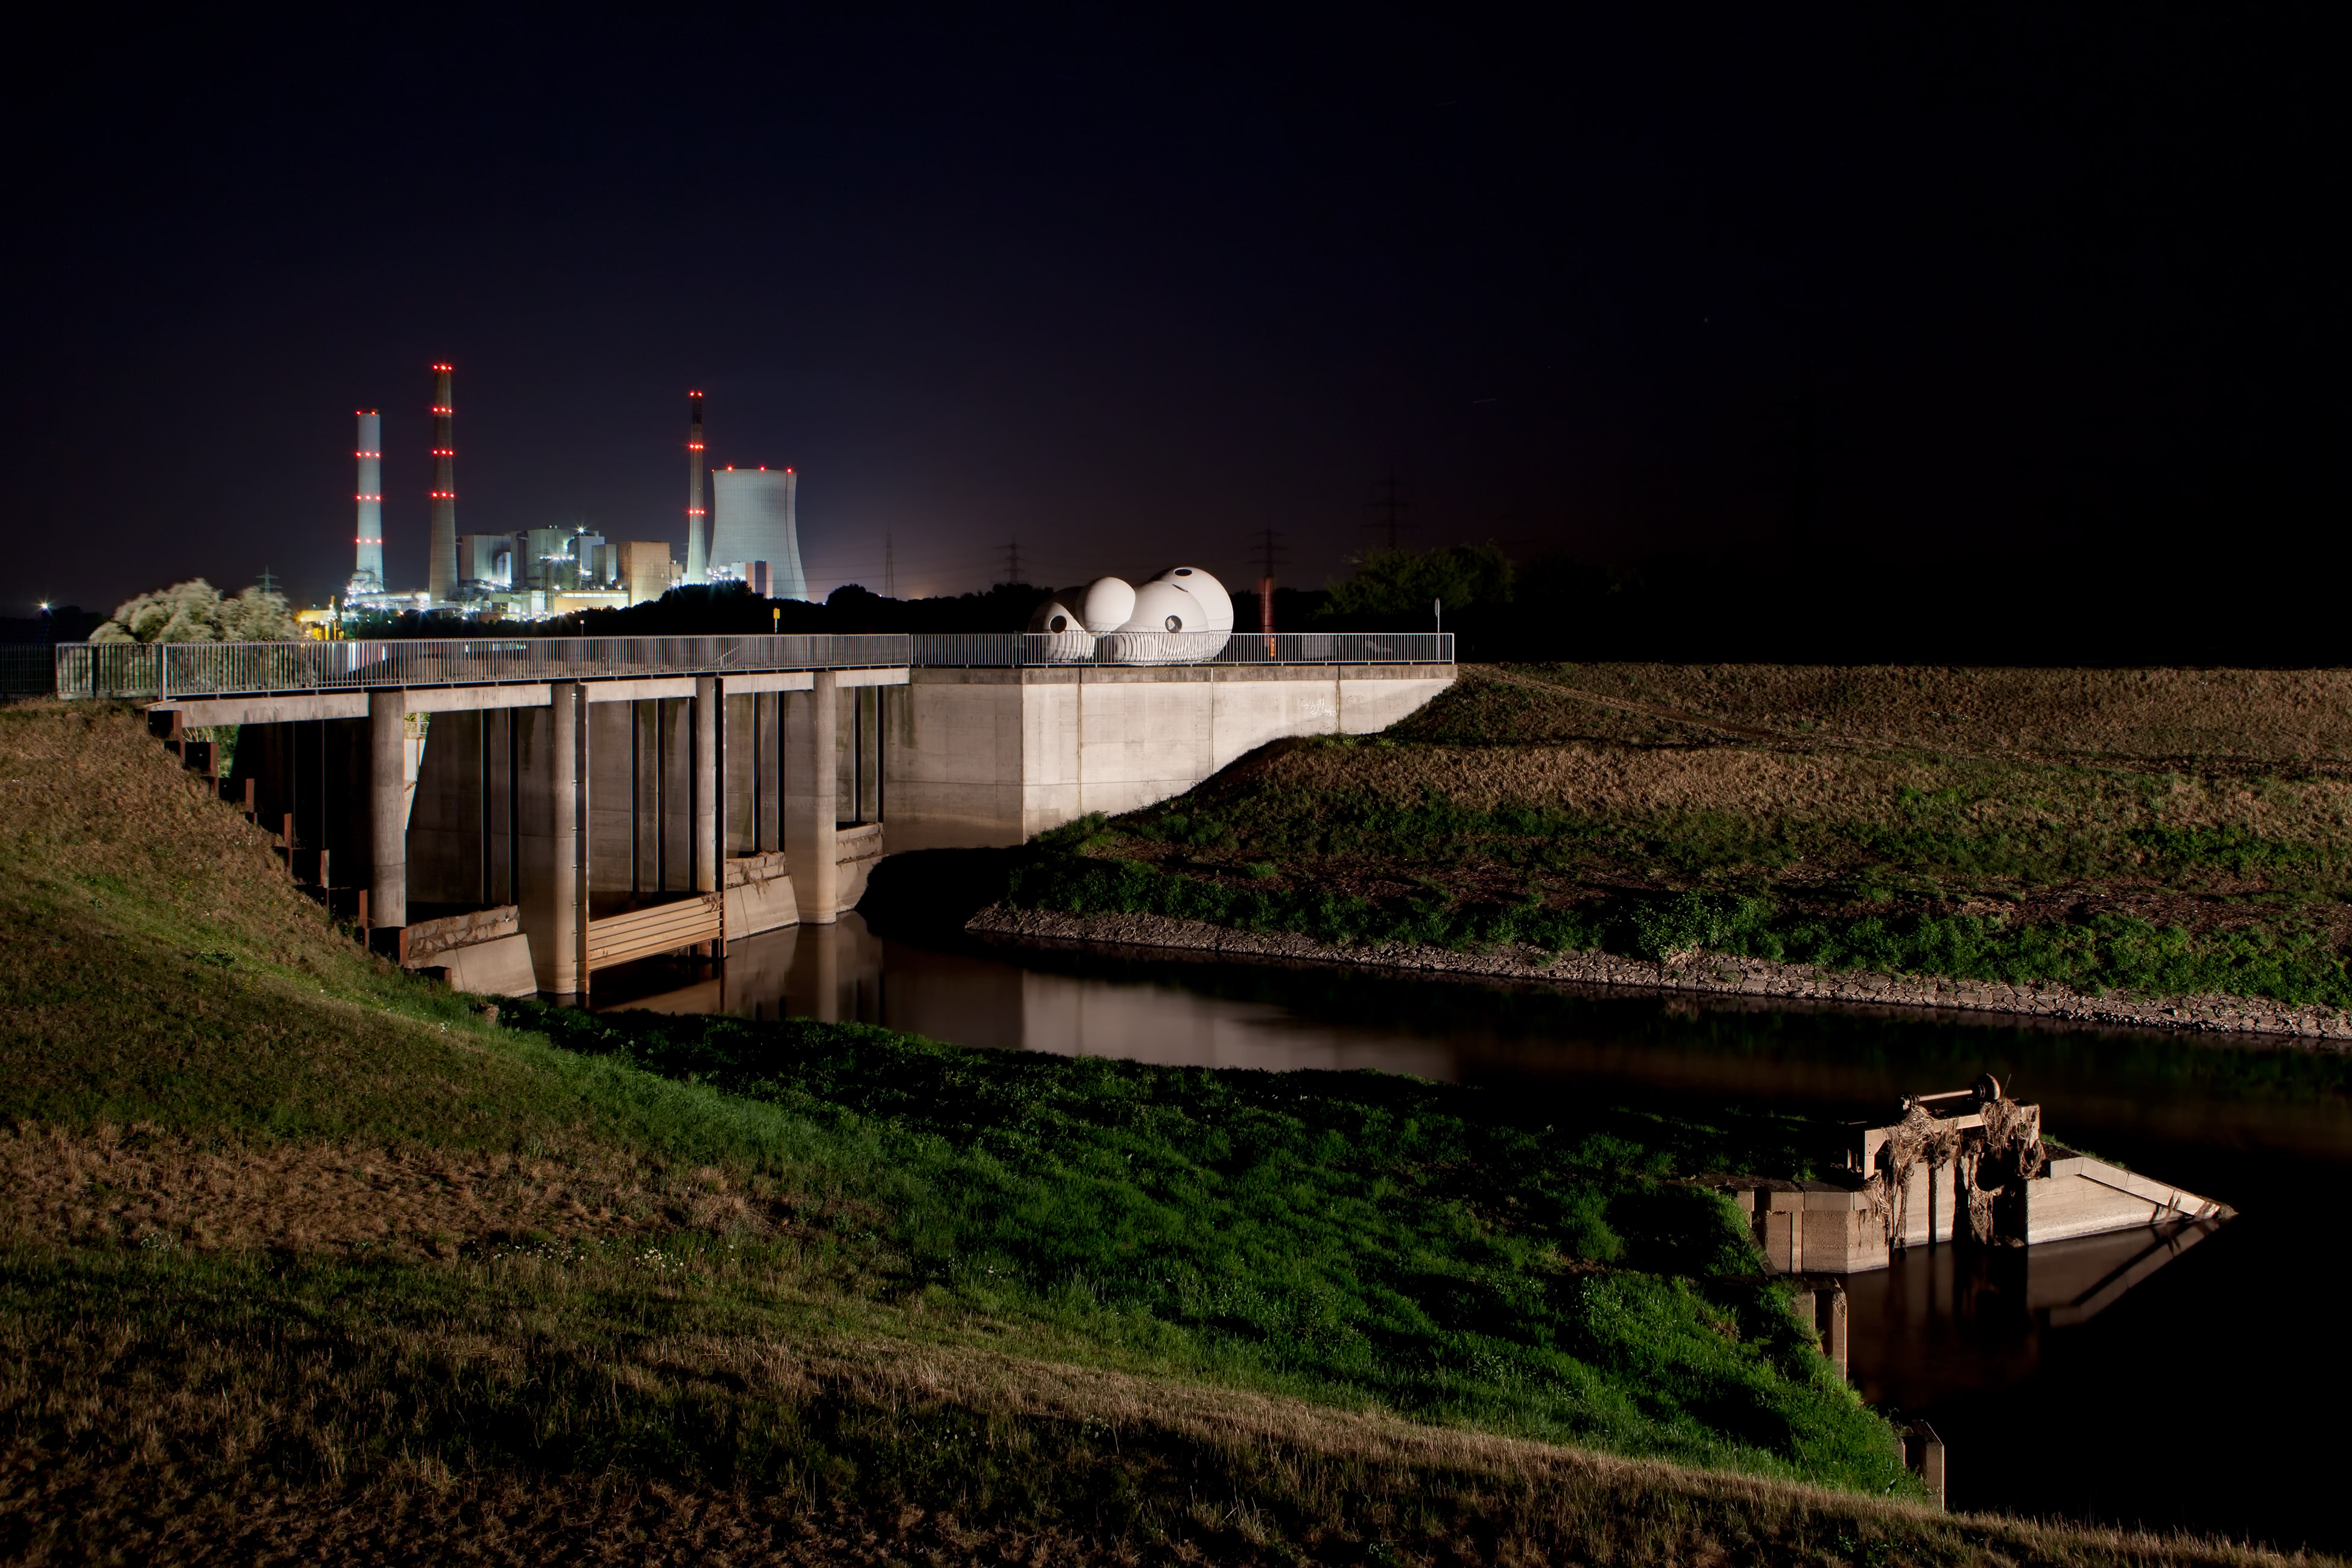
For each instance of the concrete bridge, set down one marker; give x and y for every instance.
(522, 812)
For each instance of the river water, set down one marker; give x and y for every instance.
(2189, 1381)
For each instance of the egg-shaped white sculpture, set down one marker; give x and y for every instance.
(1169, 626)
(1069, 641)
(1216, 605)
(1105, 604)
(1164, 606)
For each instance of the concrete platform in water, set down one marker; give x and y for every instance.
(1970, 1167)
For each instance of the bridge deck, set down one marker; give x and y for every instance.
(172, 671)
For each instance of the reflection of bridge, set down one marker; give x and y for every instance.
(579, 802)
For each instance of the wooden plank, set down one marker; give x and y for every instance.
(664, 928)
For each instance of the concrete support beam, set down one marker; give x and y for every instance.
(708, 730)
(474, 699)
(646, 690)
(266, 710)
(387, 815)
(303, 708)
(553, 803)
(768, 681)
(811, 804)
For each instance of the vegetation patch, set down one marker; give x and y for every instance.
(304, 1258)
(1522, 807)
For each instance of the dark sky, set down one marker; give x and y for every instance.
(1996, 292)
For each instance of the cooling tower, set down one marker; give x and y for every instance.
(441, 578)
(367, 572)
(752, 520)
(698, 535)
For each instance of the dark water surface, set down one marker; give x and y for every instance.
(2192, 1381)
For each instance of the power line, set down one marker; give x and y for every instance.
(1386, 511)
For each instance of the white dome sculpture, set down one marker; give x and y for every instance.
(1216, 605)
(1171, 624)
(1104, 604)
(1069, 641)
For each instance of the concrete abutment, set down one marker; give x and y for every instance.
(588, 822)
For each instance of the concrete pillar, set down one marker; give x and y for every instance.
(387, 816)
(552, 901)
(708, 730)
(1831, 1317)
(811, 800)
(1922, 1450)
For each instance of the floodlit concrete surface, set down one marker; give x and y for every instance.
(981, 758)
(500, 968)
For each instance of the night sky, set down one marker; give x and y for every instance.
(2056, 304)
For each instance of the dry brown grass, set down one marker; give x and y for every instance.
(2260, 715)
(1062, 1466)
(1776, 784)
(146, 1185)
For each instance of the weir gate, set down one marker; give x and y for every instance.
(521, 812)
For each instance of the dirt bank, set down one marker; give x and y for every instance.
(1706, 973)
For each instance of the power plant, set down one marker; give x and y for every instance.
(755, 534)
(750, 534)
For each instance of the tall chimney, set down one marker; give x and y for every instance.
(698, 530)
(367, 572)
(441, 579)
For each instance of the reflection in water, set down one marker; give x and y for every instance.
(844, 973)
(1946, 1318)
(2003, 1352)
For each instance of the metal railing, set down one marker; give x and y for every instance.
(164, 670)
(28, 670)
(999, 650)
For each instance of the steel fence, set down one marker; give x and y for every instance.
(165, 670)
(999, 650)
(28, 670)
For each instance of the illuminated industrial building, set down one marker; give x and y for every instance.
(533, 573)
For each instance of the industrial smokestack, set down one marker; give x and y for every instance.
(698, 535)
(367, 572)
(441, 580)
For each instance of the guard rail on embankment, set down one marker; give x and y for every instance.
(165, 670)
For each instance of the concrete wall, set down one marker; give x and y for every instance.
(988, 757)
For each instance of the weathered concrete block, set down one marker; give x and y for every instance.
(500, 968)
(753, 907)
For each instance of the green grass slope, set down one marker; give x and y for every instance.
(2037, 828)
(304, 1258)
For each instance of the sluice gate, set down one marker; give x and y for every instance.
(1969, 1167)
(518, 834)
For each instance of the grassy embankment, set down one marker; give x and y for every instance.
(2172, 832)
(303, 1256)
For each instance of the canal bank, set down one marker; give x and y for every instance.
(1705, 973)
(2050, 1383)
